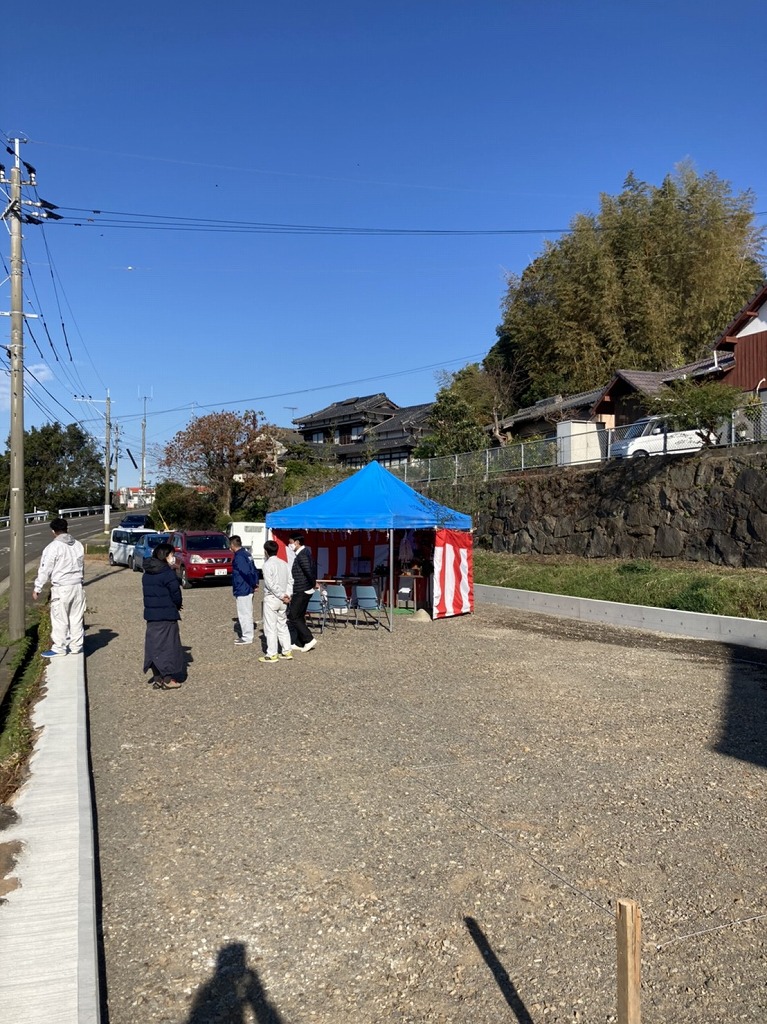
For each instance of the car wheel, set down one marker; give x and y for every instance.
(111, 559)
(184, 579)
(640, 455)
(131, 566)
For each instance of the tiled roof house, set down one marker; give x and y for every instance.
(368, 427)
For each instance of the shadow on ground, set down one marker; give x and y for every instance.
(96, 640)
(499, 972)
(744, 716)
(233, 989)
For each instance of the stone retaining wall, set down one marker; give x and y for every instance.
(710, 507)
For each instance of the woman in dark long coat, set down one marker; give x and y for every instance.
(163, 653)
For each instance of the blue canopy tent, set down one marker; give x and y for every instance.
(376, 500)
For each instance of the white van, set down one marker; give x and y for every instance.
(651, 436)
(121, 544)
(253, 537)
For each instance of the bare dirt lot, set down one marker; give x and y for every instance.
(429, 826)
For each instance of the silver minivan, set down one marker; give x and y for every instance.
(121, 544)
(652, 436)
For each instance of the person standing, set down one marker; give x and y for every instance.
(244, 584)
(278, 589)
(163, 653)
(304, 583)
(62, 564)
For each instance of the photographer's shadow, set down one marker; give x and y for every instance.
(233, 989)
(95, 640)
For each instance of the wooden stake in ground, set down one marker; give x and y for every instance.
(628, 920)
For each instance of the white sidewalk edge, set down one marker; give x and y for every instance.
(724, 629)
(48, 935)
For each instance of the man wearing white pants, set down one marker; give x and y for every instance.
(244, 584)
(278, 588)
(62, 564)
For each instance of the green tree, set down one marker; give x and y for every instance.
(705, 407)
(487, 390)
(183, 508)
(63, 468)
(646, 283)
(453, 428)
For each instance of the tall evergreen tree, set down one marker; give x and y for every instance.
(63, 468)
(646, 283)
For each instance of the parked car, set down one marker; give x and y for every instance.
(121, 544)
(201, 555)
(137, 521)
(252, 536)
(652, 436)
(144, 548)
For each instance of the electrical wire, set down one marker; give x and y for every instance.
(56, 275)
(305, 391)
(167, 221)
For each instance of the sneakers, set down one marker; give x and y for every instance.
(269, 658)
(308, 646)
(49, 654)
(239, 642)
(285, 656)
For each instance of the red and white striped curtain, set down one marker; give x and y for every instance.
(340, 553)
(453, 574)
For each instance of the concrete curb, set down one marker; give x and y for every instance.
(723, 629)
(48, 933)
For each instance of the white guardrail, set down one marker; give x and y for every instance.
(41, 517)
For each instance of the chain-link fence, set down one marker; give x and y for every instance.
(649, 436)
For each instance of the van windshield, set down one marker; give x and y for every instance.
(208, 542)
(638, 429)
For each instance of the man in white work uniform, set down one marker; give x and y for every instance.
(62, 564)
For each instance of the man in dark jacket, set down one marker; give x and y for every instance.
(304, 583)
(244, 583)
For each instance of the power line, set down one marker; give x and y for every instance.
(184, 223)
(306, 391)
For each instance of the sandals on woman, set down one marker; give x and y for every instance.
(166, 684)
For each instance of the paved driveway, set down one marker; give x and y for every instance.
(426, 826)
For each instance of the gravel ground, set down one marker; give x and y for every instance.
(430, 826)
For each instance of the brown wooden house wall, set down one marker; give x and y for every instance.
(750, 361)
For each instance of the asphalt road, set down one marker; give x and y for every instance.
(37, 535)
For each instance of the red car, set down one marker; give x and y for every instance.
(201, 555)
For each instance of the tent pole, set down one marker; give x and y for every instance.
(391, 581)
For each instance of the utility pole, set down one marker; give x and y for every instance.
(107, 464)
(117, 457)
(13, 213)
(143, 446)
(107, 451)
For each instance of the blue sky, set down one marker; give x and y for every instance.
(422, 115)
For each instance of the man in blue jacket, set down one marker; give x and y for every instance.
(244, 583)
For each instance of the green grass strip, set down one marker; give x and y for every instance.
(683, 587)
